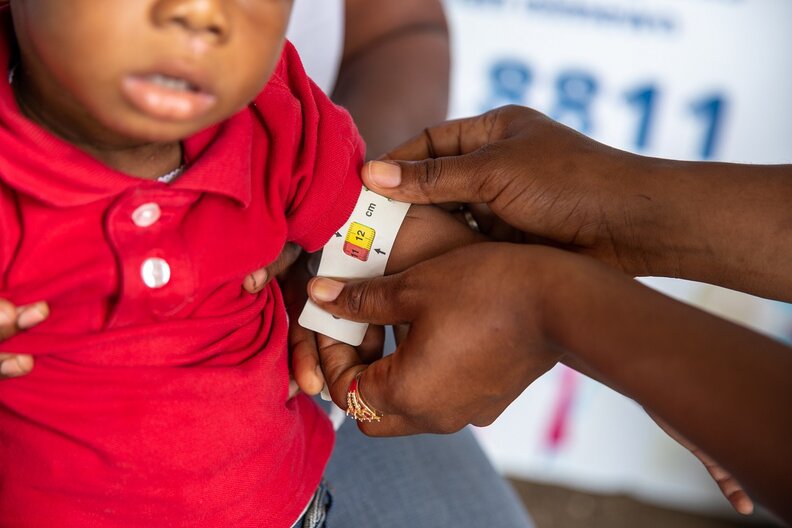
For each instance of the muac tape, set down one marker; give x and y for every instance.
(359, 250)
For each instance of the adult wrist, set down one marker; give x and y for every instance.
(649, 220)
(560, 276)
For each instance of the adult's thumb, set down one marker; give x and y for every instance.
(382, 300)
(460, 178)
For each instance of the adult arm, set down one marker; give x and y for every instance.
(721, 223)
(513, 311)
(395, 69)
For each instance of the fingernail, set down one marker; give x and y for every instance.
(10, 368)
(259, 278)
(385, 174)
(745, 507)
(30, 316)
(325, 394)
(326, 290)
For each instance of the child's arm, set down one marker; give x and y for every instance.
(428, 232)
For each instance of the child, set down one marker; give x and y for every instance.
(152, 153)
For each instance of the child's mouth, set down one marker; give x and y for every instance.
(167, 97)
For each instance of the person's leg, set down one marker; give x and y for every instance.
(416, 482)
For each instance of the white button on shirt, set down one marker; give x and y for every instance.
(155, 272)
(146, 215)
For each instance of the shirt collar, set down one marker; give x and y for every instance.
(41, 164)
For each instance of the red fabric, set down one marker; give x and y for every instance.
(166, 407)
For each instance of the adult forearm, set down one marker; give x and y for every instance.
(721, 386)
(720, 223)
(395, 73)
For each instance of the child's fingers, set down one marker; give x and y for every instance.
(15, 365)
(13, 319)
(256, 281)
(8, 317)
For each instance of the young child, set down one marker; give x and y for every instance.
(153, 153)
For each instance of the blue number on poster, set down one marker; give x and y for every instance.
(711, 110)
(575, 93)
(510, 80)
(643, 99)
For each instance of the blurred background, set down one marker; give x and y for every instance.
(685, 79)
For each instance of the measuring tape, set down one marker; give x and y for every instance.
(359, 250)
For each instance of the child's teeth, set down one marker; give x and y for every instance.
(170, 82)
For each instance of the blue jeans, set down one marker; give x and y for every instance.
(417, 481)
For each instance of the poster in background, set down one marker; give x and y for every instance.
(684, 79)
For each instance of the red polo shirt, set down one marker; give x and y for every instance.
(159, 396)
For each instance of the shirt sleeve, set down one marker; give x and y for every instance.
(324, 184)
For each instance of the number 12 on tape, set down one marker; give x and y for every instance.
(358, 241)
(352, 254)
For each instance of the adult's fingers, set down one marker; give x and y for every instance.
(255, 281)
(453, 138)
(305, 360)
(341, 363)
(728, 485)
(382, 300)
(373, 345)
(467, 178)
(452, 162)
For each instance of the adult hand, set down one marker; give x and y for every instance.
(539, 176)
(306, 371)
(473, 346)
(475, 343)
(729, 486)
(12, 320)
(701, 221)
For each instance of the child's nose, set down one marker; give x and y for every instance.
(205, 17)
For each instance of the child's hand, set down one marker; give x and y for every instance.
(256, 281)
(12, 320)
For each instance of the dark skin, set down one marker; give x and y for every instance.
(517, 309)
(409, 49)
(394, 76)
(394, 82)
(226, 50)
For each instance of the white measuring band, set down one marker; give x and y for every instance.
(359, 250)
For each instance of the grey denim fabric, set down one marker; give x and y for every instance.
(419, 481)
(316, 514)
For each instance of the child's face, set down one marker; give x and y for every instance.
(152, 70)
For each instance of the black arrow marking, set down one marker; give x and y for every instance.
(338, 235)
(380, 252)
